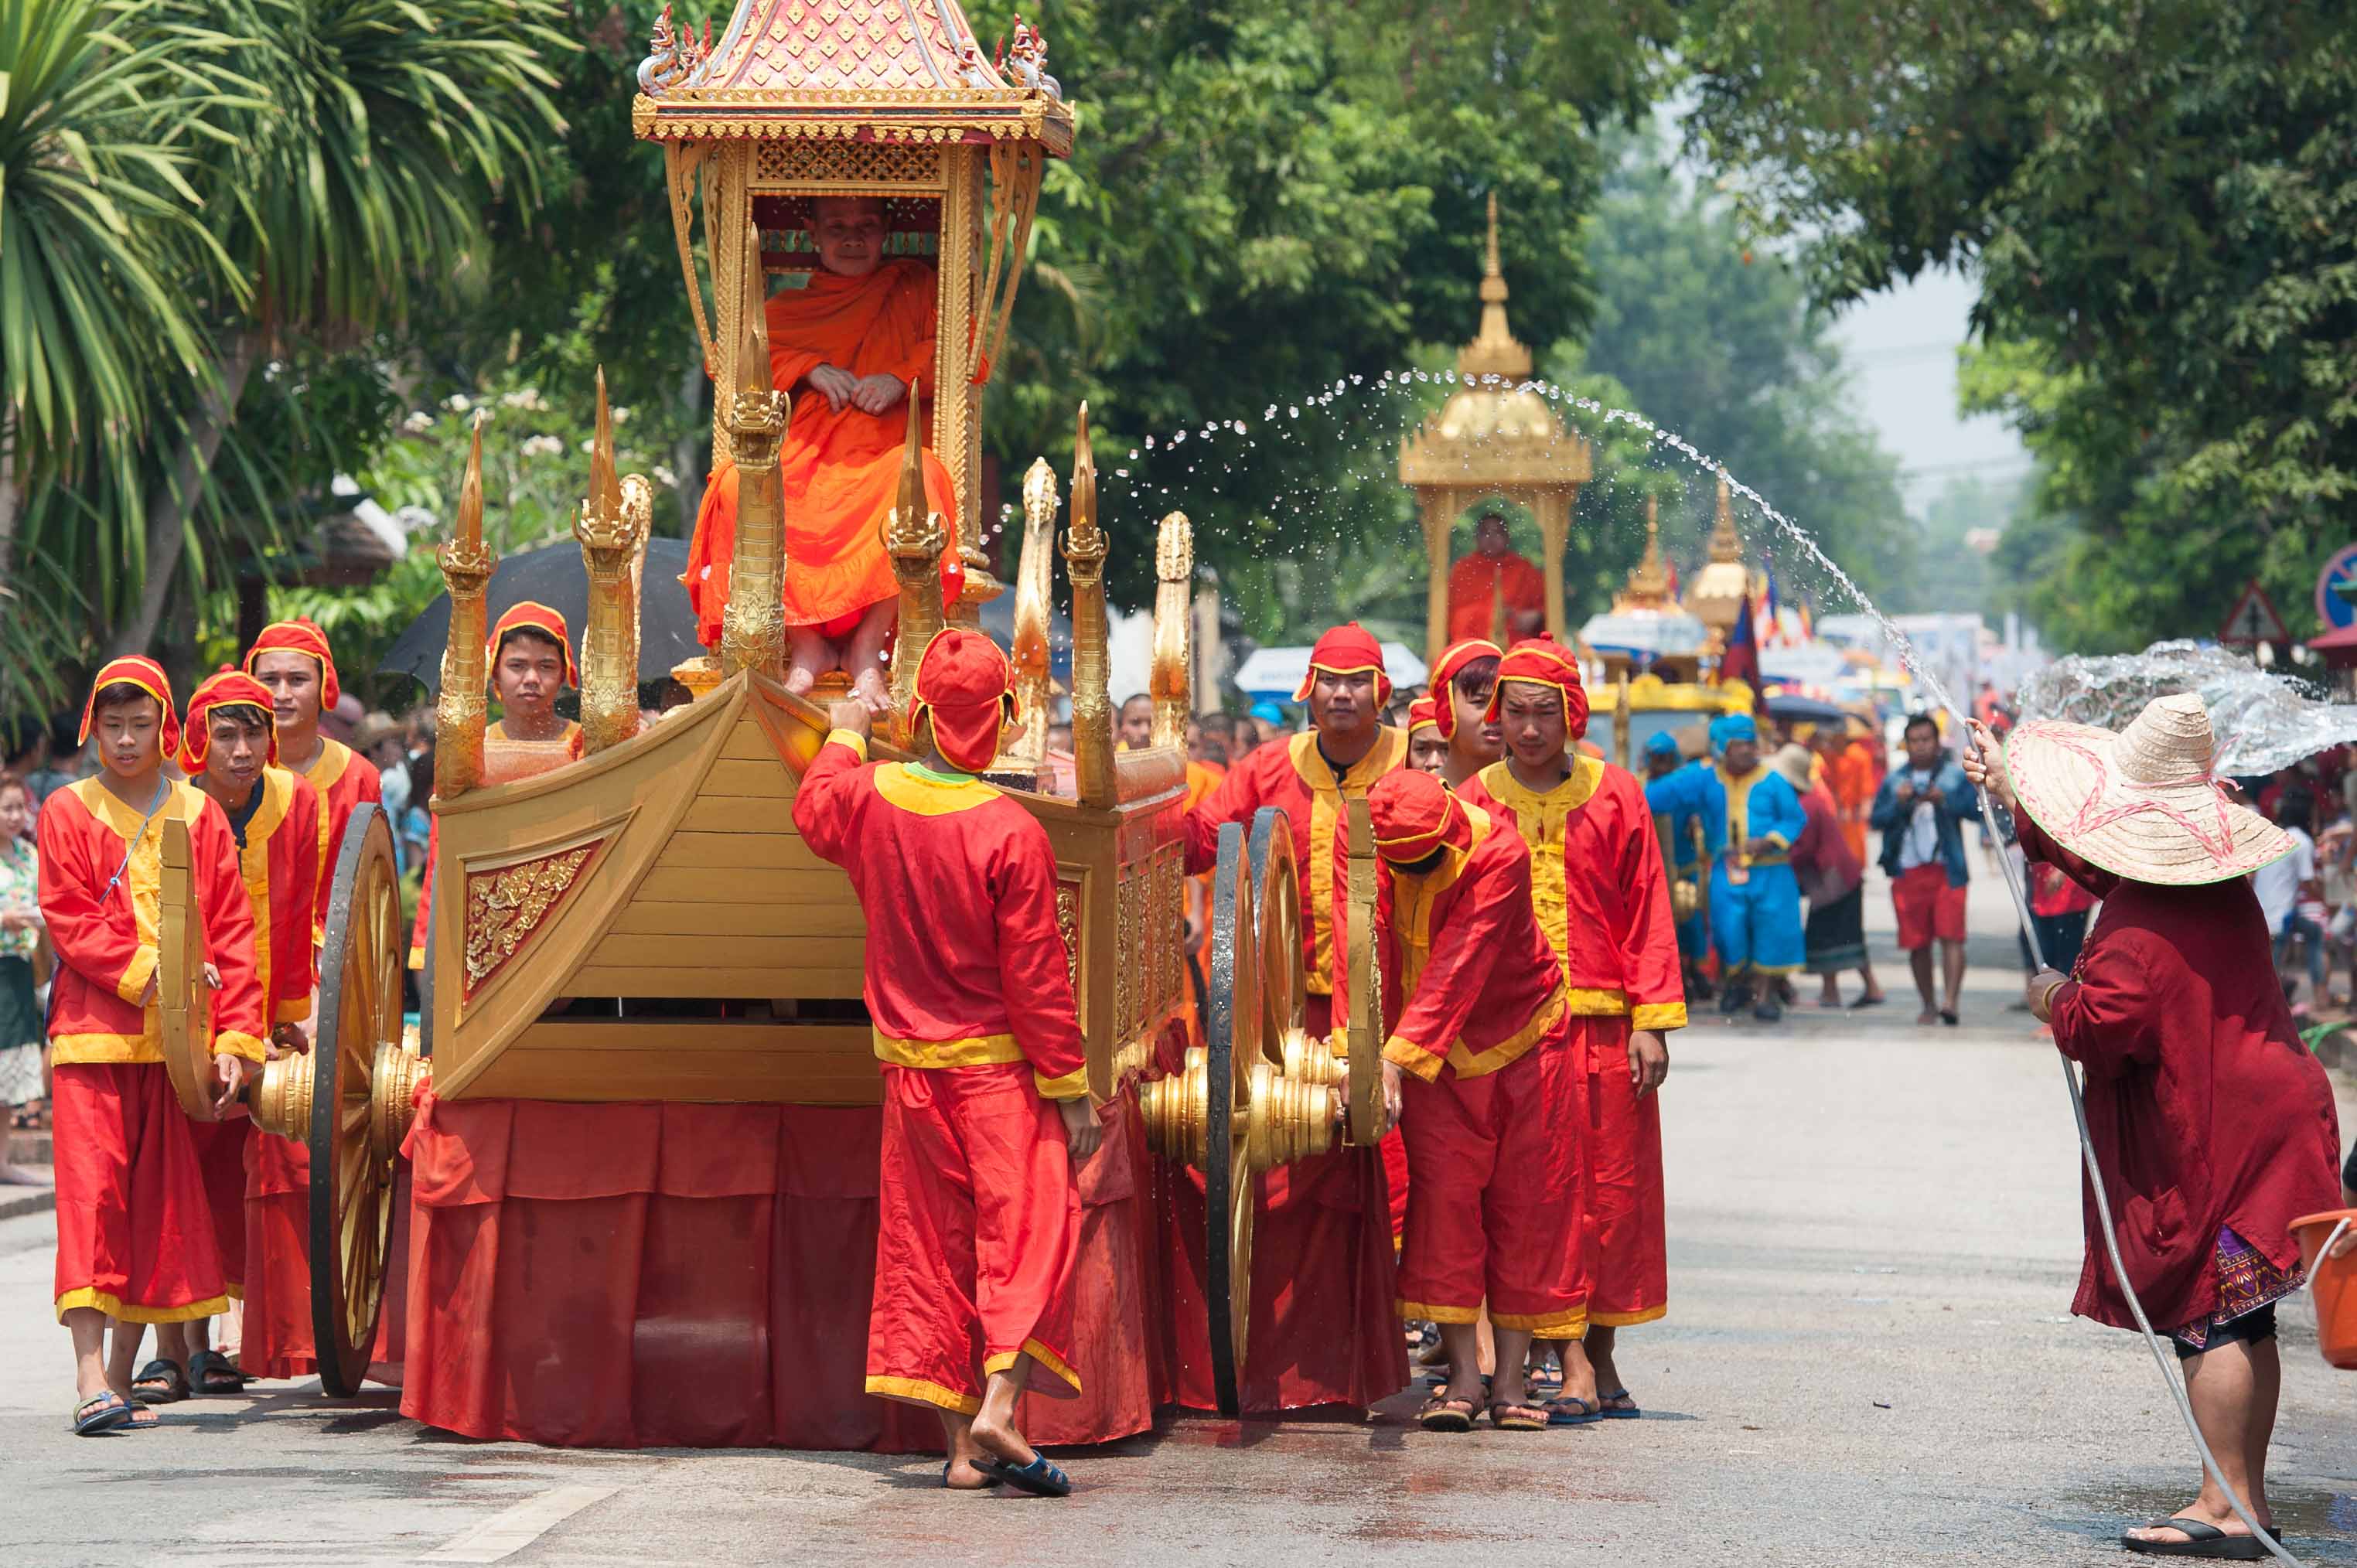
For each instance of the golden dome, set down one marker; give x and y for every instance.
(1721, 588)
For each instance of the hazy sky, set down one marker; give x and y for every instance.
(1902, 349)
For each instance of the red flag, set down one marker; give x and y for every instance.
(1741, 659)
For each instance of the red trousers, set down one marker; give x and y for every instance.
(134, 1235)
(220, 1156)
(1621, 1228)
(1497, 1192)
(978, 1230)
(275, 1341)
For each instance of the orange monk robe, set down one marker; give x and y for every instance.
(1474, 1014)
(839, 469)
(505, 761)
(1478, 580)
(1851, 778)
(1603, 900)
(134, 1238)
(978, 1230)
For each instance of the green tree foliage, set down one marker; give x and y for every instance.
(1721, 345)
(2156, 200)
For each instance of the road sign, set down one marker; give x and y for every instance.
(2253, 620)
(2331, 608)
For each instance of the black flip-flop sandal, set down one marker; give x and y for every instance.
(1868, 1002)
(1949, 1017)
(1040, 1477)
(1441, 1413)
(2202, 1540)
(169, 1374)
(210, 1374)
(1608, 1410)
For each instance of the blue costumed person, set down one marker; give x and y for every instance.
(1750, 817)
(1682, 850)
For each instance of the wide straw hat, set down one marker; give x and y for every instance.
(2145, 804)
(1797, 764)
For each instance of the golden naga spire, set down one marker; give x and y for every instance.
(467, 567)
(1035, 586)
(1084, 558)
(1494, 351)
(914, 537)
(753, 626)
(612, 526)
(1172, 682)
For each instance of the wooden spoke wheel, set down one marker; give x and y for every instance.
(1232, 1038)
(1277, 884)
(182, 997)
(351, 1168)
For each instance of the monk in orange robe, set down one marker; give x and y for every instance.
(1851, 778)
(846, 346)
(1603, 900)
(135, 1243)
(1494, 577)
(986, 1109)
(230, 751)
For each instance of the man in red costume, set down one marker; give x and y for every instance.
(1322, 1212)
(1603, 900)
(1474, 1014)
(1493, 582)
(986, 1106)
(135, 1243)
(230, 752)
(1460, 694)
(847, 347)
(291, 661)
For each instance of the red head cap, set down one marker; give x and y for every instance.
(229, 688)
(1543, 662)
(965, 686)
(300, 635)
(1453, 661)
(1346, 651)
(132, 670)
(529, 615)
(1415, 813)
(1422, 714)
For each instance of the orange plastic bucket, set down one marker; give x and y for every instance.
(2334, 1282)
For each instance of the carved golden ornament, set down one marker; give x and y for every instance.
(1068, 926)
(753, 624)
(504, 907)
(1177, 1110)
(842, 165)
(1283, 1119)
(1649, 579)
(1085, 548)
(1169, 928)
(1722, 588)
(281, 1100)
(460, 708)
(914, 537)
(1313, 1061)
(612, 525)
(1133, 972)
(1172, 678)
(1034, 587)
(699, 676)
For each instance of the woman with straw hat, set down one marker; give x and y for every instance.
(2211, 1124)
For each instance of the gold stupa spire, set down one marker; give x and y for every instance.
(1726, 544)
(1494, 351)
(1649, 580)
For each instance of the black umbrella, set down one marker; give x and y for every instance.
(1793, 708)
(554, 577)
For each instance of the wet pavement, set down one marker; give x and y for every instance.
(1874, 1236)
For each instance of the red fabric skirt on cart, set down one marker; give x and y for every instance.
(672, 1275)
(277, 1340)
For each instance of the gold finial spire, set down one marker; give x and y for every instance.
(1649, 580)
(1726, 544)
(467, 567)
(1494, 351)
(605, 487)
(752, 626)
(469, 527)
(911, 499)
(1084, 559)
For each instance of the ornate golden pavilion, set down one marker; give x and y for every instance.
(1495, 437)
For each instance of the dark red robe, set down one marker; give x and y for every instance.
(2205, 1108)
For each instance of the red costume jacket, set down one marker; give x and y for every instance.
(280, 868)
(1598, 888)
(1469, 978)
(343, 778)
(1295, 775)
(102, 889)
(975, 970)
(2205, 1109)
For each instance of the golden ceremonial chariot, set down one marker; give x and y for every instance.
(661, 873)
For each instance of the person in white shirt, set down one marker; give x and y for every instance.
(2291, 897)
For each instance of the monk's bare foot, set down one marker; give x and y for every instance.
(1002, 1442)
(869, 687)
(808, 656)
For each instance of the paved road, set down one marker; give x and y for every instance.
(1874, 1235)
